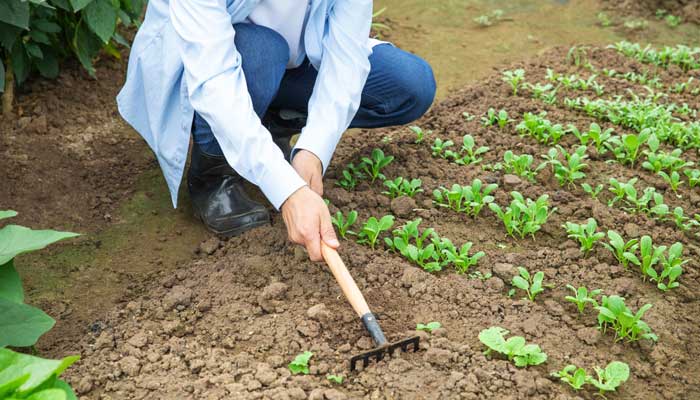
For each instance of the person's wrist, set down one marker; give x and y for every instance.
(292, 196)
(308, 156)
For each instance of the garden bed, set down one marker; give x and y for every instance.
(227, 325)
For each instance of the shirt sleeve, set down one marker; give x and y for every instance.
(218, 91)
(341, 77)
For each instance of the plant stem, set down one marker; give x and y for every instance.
(9, 95)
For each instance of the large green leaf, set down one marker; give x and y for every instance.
(62, 4)
(48, 66)
(8, 35)
(41, 371)
(87, 45)
(79, 4)
(15, 240)
(21, 325)
(101, 17)
(20, 62)
(70, 395)
(15, 12)
(10, 283)
(48, 394)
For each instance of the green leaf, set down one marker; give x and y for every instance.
(62, 4)
(101, 17)
(21, 325)
(617, 372)
(10, 284)
(300, 364)
(70, 395)
(87, 45)
(520, 283)
(40, 370)
(8, 35)
(15, 12)
(48, 394)
(15, 240)
(493, 338)
(20, 62)
(48, 66)
(335, 378)
(78, 5)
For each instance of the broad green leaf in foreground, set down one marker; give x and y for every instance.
(35, 372)
(10, 284)
(15, 12)
(21, 325)
(15, 240)
(6, 213)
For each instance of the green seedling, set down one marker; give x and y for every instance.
(623, 251)
(470, 154)
(523, 216)
(658, 161)
(683, 222)
(593, 192)
(460, 258)
(420, 133)
(604, 19)
(514, 78)
(595, 135)
(421, 252)
(673, 21)
(538, 90)
(570, 374)
(614, 314)
(489, 19)
(480, 275)
(344, 223)
(373, 228)
(672, 267)
(402, 187)
(673, 180)
(337, 379)
(536, 126)
(350, 177)
(410, 232)
(520, 165)
(532, 285)
(468, 117)
(499, 118)
(515, 348)
(300, 364)
(693, 176)
(373, 165)
(582, 297)
(649, 256)
(440, 146)
(586, 235)
(429, 327)
(620, 189)
(610, 378)
(628, 148)
(572, 169)
(468, 199)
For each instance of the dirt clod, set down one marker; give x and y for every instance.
(403, 206)
(177, 296)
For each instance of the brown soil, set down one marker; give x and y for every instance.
(688, 9)
(227, 325)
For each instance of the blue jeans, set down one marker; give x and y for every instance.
(399, 89)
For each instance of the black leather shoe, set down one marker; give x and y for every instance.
(218, 196)
(283, 124)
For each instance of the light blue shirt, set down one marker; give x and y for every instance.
(184, 59)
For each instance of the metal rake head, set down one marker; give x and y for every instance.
(378, 354)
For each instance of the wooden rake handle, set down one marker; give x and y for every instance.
(345, 281)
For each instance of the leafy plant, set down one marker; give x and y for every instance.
(337, 379)
(469, 154)
(693, 176)
(614, 314)
(468, 199)
(608, 379)
(344, 223)
(25, 376)
(440, 146)
(536, 126)
(673, 179)
(421, 251)
(574, 376)
(593, 192)
(515, 348)
(499, 118)
(460, 258)
(420, 133)
(586, 235)
(594, 135)
(623, 251)
(683, 222)
(300, 364)
(514, 78)
(402, 187)
(429, 327)
(520, 165)
(532, 285)
(373, 165)
(350, 176)
(671, 264)
(373, 228)
(572, 169)
(524, 216)
(582, 297)
(650, 255)
(628, 148)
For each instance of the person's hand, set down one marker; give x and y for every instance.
(309, 222)
(309, 167)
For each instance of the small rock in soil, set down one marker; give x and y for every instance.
(588, 335)
(438, 356)
(364, 343)
(631, 230)
(138, 340)
(209, 246)
(334, 394)
(309, 329)
(104, 341)
(274, 291)
(344, 348)
(177, 296)
(265, 374)
(403, 206)
(504, 271)
(495, 283)
(130, 365)
(510, 180)
(319, 312)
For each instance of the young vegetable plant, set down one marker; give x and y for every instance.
(420, 133)
(650, 255)
(350, 176)
(373, 228)
(610, 378)
(460, 258)
(532, 285)
(523, 216)
(515, 348)
(572, 375)
(536, 126)
(499, 118)
(571, 170)
(429, 327)
(582, 297)
(683, 222)
(593, 192)
(586, 235)
(469, 154)
(468, 199)
(375, 163)
(614, 314)
(693, 176)
(440, 146)
(628, 148)
(337, 379)
(623, 251)
(673, 179)
(520, 165)
(671, 264)
(514, 78)
(300, 364)
(344, 223)
(402, 187)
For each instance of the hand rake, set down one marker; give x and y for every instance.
(358, 303)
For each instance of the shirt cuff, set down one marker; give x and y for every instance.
(321, 143)
(280, 181)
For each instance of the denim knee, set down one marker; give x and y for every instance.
(260, 46)
(420, 90)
